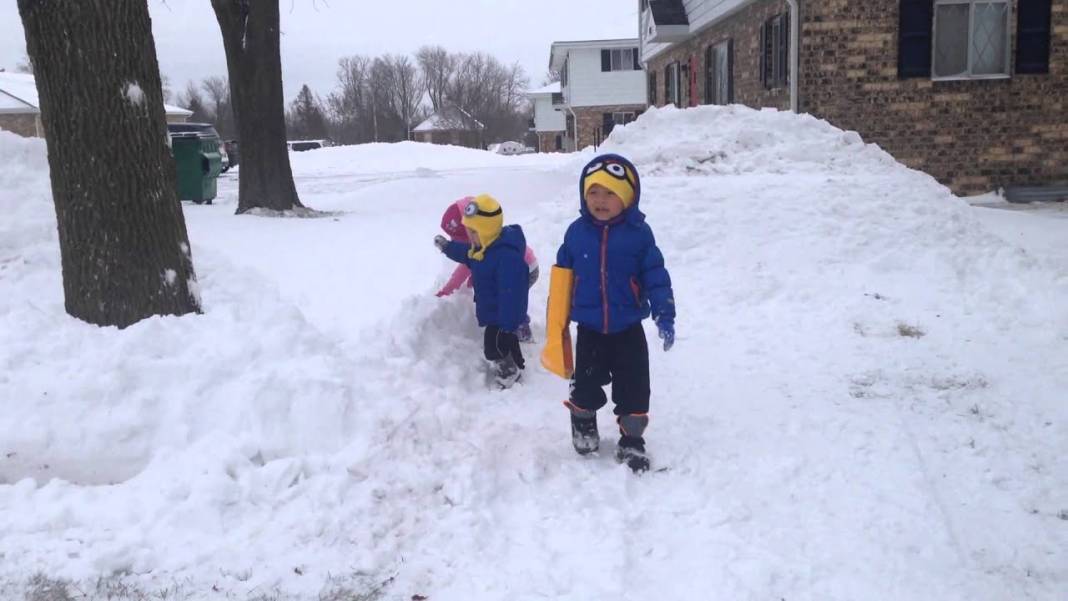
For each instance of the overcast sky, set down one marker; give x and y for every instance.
(316, 33)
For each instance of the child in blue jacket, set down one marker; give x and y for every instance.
(619, 280)
(501, 279)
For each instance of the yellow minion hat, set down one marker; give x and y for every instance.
(614, 176)
(484, 215)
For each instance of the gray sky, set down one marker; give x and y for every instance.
(316, 33)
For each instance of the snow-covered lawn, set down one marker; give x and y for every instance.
(865, 401)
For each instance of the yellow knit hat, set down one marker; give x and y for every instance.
(620, 186)
(484, 215)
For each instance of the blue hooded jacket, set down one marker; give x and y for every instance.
(501, 279)
(620, 278)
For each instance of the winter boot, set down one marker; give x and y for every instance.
(584, 434)
(631, 447)
(523, 332)
(506, 372)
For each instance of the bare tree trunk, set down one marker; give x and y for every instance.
(250, 32)
(122, 237)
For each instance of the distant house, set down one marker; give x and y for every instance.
(971, 91)
(601, 84)
(20, 112)
(549, 123)
(452, 126)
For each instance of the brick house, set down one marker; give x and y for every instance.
(974, 92)
(450, 126)
(548, 124)
(601, 84)
(19, 112)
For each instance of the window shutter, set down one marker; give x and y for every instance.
(1033, 36)
(607, 123)
(652, 88)
(730, 71)
(606, 60)
(710, 70)
(667, 84)
(637, 63)
(914, 38)
(783, 76)
(764, 55)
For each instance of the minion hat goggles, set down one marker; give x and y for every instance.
(483, 215)
(613, 176)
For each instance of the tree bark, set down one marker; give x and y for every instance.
(250, 32)
(122, 236)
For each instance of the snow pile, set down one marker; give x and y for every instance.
(405, 159)
(95, 405)
(722, 140)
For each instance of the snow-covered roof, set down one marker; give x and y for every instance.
(553, 88)
(449, 119)
(18, 94)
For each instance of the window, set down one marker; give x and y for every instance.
(719, 73)
(610, 120)
(620, 59)
(652, 89)
(559, 142)
(775, 53)
(971, 39)
(558, 98)
(671, 84)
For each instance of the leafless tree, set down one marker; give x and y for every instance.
(437, 66)
(250, 32)
(122, 237)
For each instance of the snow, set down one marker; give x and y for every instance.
(552, 88)
(864, 400)
(135, 94)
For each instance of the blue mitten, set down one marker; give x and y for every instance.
(666, 331)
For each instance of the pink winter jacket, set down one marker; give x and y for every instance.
(452, 223)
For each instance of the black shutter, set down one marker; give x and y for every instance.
(914, 38)
(637, 64)
(765, 67)
(1033, 36)
(652, 88)
(710, 80)
(606, 60)
(607, 123)
(730, 71)
(783, 76)
(667, 84)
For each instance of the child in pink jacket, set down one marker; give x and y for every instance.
(452, 223)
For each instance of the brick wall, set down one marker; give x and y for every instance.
(591, 121)
(744, 28)
(971, 135)
(22, 124)
(547, 141)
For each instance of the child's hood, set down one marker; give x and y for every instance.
(512, 236)
(630, 213)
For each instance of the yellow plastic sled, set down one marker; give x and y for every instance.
(557, 356)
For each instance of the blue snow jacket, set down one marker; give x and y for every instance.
(620, 278)
(501, 279)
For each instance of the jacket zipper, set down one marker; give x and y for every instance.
(604, 276)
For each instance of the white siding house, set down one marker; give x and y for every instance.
(549, 122)
(602, 84)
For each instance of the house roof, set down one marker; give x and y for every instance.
(668, 12)
(449, 119)
(18, 94)
(559, 50)
(553, 88)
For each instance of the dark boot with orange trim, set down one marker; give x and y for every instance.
(584, 435)
(631, 447)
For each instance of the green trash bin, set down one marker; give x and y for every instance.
(199, 164)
